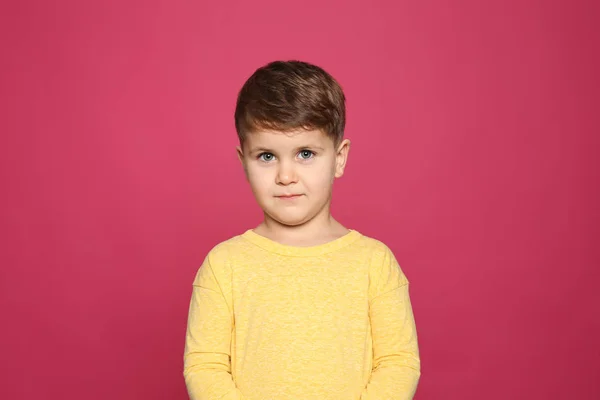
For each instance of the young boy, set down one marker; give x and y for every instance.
(299, 307)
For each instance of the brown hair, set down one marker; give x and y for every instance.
(290, 95)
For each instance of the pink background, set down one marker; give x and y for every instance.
(475, 158)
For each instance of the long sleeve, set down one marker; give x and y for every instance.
(207, 355)
(396, 362)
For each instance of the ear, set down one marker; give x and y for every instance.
(240, 154)
(341, 157)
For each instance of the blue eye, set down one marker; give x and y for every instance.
(306, 154)
(266, 157)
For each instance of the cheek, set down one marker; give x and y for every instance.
(322, 178)
(259, 180)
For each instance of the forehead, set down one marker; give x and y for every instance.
(277, 140)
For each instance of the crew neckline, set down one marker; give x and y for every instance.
(301, 251)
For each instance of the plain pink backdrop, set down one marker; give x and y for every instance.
(475, 158)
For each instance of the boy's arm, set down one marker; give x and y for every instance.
(396, 362)
(207, 364)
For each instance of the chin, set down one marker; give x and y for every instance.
(291, 220)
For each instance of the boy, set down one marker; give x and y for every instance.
(299, 307)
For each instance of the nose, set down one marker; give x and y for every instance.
(286, 175)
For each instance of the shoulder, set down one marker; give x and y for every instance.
(217, 261)
(385, 272)
(221, 251)
(377, 249)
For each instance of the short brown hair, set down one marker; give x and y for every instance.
(288, 95)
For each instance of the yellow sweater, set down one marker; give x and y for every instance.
(269, 321)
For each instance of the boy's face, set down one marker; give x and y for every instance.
(291, 174)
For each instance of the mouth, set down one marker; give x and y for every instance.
(288, 196)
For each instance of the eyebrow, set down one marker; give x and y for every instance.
(260, 150)
(266, 150)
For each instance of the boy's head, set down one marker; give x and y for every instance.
(286, 96)
(290, 118)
